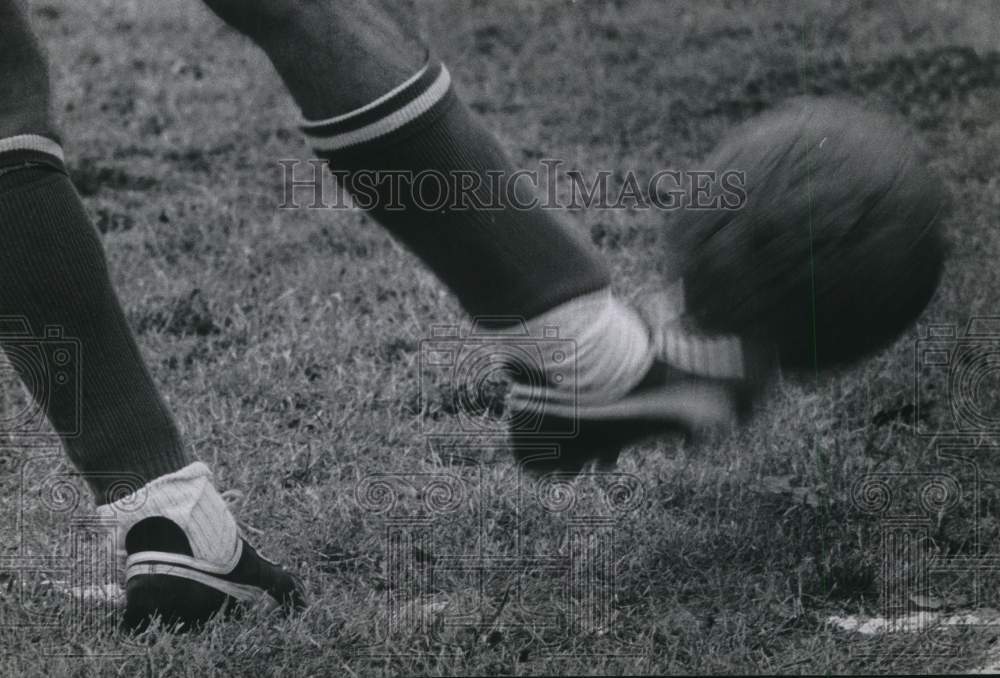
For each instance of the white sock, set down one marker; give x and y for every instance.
(675, 342)
(716, 357)
(613, 347)
(188, 498)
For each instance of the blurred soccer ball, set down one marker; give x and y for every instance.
(837, 247)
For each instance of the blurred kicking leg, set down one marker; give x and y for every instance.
(375, 102)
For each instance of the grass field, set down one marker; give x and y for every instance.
(287, 343)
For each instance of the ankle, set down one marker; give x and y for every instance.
(612, 344)
(186, 498)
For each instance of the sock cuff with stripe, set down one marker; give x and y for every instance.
(480, 232)
(402, 111)
(24, 150)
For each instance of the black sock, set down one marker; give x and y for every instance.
(65, 332)
(502, 259)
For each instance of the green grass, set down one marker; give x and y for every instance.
(287, 343)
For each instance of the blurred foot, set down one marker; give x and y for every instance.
(693, 385)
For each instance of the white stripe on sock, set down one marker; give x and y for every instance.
(391, 122)
(306, 124)
(32, 142)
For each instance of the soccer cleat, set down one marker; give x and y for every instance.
(185, 558)
(163, 578)
(695, 384)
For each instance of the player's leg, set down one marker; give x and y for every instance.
(118, 432)
(374, 101)
(337, 59)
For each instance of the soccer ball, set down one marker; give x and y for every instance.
(834, 246)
